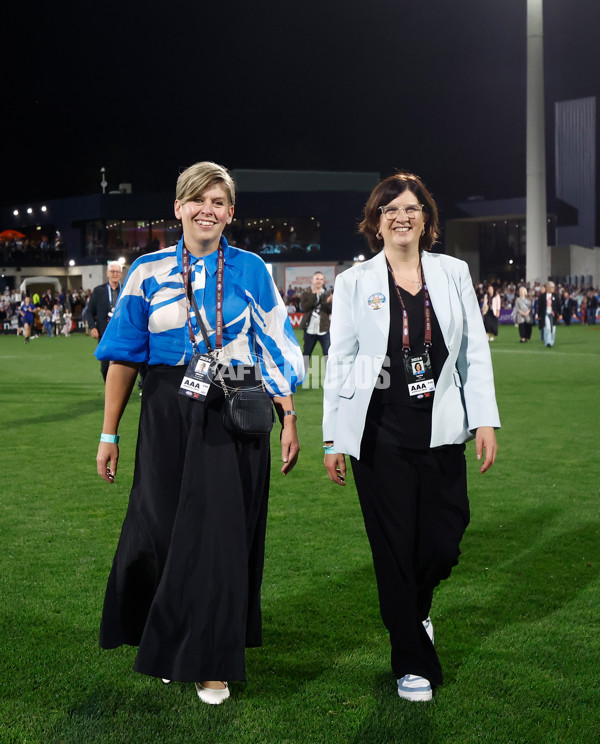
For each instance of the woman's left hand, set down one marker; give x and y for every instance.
(290, 446)
(485, 440)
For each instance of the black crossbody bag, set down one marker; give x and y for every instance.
(248, 411)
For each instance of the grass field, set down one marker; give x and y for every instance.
(517, 625)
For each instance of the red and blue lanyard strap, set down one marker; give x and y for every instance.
(192, 299)
(427, 303)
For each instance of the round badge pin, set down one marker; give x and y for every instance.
(376, 301)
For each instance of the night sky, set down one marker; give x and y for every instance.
(146, 88)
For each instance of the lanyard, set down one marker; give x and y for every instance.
(190, 294)
(427, 303)
(110, 291)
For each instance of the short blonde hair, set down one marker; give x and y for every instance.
(201, 176)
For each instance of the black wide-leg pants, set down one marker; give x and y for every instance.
(416, 509)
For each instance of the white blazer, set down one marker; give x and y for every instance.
(464, 398)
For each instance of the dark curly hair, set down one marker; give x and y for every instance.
(384, 193)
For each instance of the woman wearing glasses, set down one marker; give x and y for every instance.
(409, 380)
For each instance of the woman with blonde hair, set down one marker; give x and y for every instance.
(523, 316)
(207, 319)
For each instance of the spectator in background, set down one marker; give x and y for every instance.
(102, 304)
(85, 317)
(578, 297)
(316, 306)
(548, 313)
(5, 309)
(491, 312)
(569, 306)
(47, 321)
(26, 311)
(56, 317)
(583, 310)
(46, 299)
(509, 295)
(523, 316)
(67, 320)
(591, 306)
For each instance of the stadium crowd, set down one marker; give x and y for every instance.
(578, 304)
(53, 313)
(31, 252)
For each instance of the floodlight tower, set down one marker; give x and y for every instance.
(537, 251)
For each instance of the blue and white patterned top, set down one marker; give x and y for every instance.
(150, 319)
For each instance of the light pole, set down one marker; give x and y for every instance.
(536, 242)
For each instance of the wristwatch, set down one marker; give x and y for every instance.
(290, 413)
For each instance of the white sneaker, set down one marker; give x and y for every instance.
(166, 681)
(428, 625)
(210, 696)
(412, 687)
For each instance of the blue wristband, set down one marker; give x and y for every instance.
(330, 450)
(110, 438)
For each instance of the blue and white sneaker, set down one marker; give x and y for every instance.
(412, 687)
(428, 625)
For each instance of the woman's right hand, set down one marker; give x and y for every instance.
(107, 460)
(119, 384)
(336, 468)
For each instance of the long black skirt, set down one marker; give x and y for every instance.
(185, 582)
(490, 322)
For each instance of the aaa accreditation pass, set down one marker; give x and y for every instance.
(421, 387)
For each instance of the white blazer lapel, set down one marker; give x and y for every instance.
(374, 294)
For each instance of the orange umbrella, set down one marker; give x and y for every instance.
(11, 235)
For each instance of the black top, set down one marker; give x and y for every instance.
(393, 416)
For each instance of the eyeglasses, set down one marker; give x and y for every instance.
(412, 211)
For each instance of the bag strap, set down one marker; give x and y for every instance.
(203, 330)
(222, 381)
